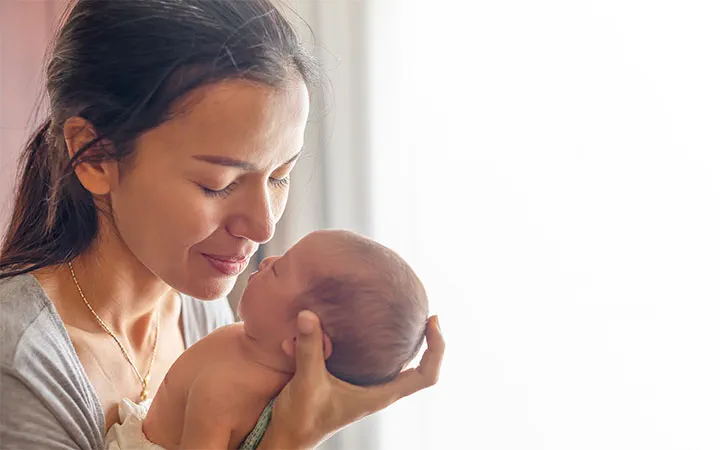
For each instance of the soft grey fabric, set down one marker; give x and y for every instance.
(46, 401)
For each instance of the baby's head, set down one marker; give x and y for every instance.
(370, 303)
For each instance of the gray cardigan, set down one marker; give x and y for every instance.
(46, 400)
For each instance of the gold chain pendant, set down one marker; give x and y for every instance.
(143, 380)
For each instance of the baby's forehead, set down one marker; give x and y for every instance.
(328, 253)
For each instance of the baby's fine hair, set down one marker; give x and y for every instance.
(375, 312)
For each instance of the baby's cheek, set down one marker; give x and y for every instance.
(247, 306)
(284, 324)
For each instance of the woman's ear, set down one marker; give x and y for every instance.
(99, 177)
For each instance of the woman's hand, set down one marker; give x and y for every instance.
(315, 404)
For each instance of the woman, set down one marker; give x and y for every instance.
(165, 162)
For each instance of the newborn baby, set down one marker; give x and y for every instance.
(369, 301)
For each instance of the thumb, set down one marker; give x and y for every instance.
(309, 356)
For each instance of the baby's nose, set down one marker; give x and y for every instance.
(264, 263)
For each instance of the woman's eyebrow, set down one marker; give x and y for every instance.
(225, 161)
(294, 158)
(230, 162)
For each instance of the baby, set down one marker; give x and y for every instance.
(369, 301)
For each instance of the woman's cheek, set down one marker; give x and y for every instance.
(279, 202)
(200, 219)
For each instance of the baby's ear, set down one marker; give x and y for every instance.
(327, 346)
(288, 346)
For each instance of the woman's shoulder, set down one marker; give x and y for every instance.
(32, 335)
(41, 377)
(27, 319)
(202, 317)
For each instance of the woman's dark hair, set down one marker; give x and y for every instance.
(121, 65)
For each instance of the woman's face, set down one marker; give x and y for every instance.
(204, 189)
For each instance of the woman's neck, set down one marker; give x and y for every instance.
(120, 289)
(122, 292)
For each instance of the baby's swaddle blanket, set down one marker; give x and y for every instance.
(128, 434)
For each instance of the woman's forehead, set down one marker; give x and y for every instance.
(237, 119)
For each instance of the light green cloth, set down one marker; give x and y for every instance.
(253, 439)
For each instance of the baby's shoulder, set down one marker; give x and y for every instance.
(211, 355)
(225, 333)
(225, 342)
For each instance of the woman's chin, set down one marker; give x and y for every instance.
(212, 289)
(201, 282)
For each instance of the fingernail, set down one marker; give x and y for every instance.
(305, 324)
(437, 322)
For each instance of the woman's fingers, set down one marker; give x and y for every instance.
(309, 358)
(431, 361)
(426, 374)
(315, 404)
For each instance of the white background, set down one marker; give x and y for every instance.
(551, 169)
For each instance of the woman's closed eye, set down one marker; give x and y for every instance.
(280, 182)
(226, 191)
(219, 193)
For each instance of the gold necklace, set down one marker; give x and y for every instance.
(143, 380)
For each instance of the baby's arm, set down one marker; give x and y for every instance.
(215, 419)
(199, 432)
(207, 369)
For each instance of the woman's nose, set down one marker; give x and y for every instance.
(253, 218)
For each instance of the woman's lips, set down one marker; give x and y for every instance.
(230, 266)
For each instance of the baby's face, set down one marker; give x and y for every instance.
(266, 306)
